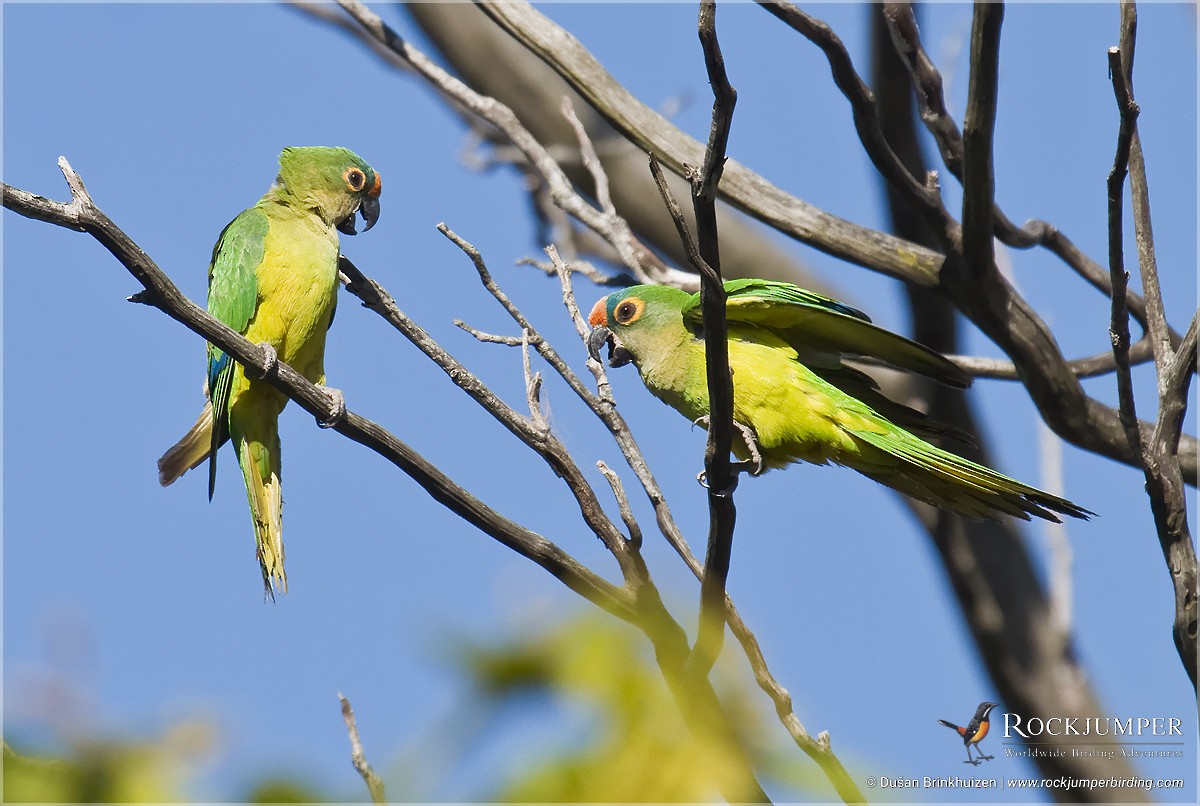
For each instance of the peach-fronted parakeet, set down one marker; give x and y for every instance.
(273, 278)
(799, 400)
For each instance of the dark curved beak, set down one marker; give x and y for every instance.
(599, 336)
(618, 356)
(369, 209)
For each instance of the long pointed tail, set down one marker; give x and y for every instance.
(189, 451)
(952, 726)
(257, 440)
(914, 467)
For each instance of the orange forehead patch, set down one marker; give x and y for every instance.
(598, 316)
(378, 186)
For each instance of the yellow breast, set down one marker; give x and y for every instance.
(297, 287)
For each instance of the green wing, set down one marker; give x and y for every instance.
(822, 329)
(232, 298)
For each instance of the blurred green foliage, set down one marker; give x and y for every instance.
(97, 772)
(626, 740)
(638, 747)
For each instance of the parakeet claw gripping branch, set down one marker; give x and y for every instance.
(273, 278)
(798, 401)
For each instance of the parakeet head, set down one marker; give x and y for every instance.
(632, 322)
(335, 183)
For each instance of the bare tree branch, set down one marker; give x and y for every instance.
(359, 758)
(614, 481)
(1028, 650)
(1119, 326)
(979, 184)
(1089, 367)
(927, 82)
(1174, 390)
(925, 198)
(1159, 449)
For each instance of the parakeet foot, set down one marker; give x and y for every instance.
(270, 359)
(755, 461)
(702, 479)
(753, 465)
(339, 407)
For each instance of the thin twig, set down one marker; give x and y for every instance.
(1090, 367)
(587, 153)
(719, 474)
(1174, 390)
(358, 758)
(533, 388)
(1119, 320)
(490, 338)
(614, 481)
(589, 271)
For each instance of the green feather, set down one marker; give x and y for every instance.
(821, 330)
(232, 298)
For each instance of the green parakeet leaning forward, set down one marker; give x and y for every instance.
(273, 278)
(797, 398)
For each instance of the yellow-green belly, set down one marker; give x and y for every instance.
(795, 415)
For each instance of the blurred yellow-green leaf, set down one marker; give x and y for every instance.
(96, 773)
(639, 747)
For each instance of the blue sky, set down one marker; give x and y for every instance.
(146, 602)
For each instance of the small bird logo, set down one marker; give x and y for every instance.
(974, 732)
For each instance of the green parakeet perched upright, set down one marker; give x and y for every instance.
(273, 278)
(796, 397)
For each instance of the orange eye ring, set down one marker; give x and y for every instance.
(355, 179)
(629, 311)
